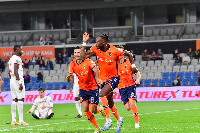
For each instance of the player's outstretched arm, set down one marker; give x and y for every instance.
(72, 83)
(69, 76)
(135, 71)
(32, 109)
(84, 54)
(96, 70)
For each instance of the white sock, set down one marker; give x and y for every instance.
(108, 119)
(13, 111)
(49, 112)
(78, 107)
(37, 113)
(119, 119)
(20, 111)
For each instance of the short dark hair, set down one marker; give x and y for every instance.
(77, 47)
(15, 47)
(104, 36)
(41, 89)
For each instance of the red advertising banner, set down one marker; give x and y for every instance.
(45, 51)
(182, 93)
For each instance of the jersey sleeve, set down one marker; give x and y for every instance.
(71, 67)
(93, 49)
(17, 60)
(120, 52)
(134, 70)
(34, 105)
(92, 63)
(49, 102)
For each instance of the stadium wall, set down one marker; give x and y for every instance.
(182, 93)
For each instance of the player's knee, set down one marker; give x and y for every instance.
(14, 103)
(86, 110)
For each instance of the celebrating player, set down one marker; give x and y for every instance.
(44, 106)
(88, 88)
(107, 56)
(17, 85)
(74, 85)
(127, 87)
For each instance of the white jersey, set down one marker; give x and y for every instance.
(16, 60)
(40, 102)
(75, 81)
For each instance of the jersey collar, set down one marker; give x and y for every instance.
(81, 62)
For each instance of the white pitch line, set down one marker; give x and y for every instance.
(194, 108)
(176, 110)
(147, 113)
(186, 109)
(167, 111)
(157, 112)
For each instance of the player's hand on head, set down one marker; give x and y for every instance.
(85, 37)
(20, 87)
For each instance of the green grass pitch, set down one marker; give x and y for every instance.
(179, 116)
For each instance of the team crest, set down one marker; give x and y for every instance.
(125, 66)
(84, 67)
(110, 54)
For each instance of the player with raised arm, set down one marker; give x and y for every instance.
(127, 87)
(75, 87)
(107, 57)
(44, 106)
(17, 85)
(88, 86)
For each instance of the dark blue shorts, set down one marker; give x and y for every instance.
(113, 82)
(128, 93)
(92, 96)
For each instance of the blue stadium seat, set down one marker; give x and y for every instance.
(6, 81)
(155, 82)
(188, 75)
(57, 86)
(36, 86)
(2, 87)
(141, 83)
(64, 84)
(29, 85)
(147, 83)
(192, 82)
(165, 75)
(7, 87)
(49, 86)
(161, 82)
(169, 82)
(180, 74)
(173, 75)
(195, 75)
(185, 82)
(34, 79)
(44, 85)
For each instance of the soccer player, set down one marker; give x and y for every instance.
(107, 57)
(88, 88)
(75, 86)
(127, 87)
(17, 85)
(44, 106)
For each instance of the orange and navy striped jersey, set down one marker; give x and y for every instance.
(86, 78)
(125, 73)
(107, 61)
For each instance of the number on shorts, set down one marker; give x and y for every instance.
(132, 94)
(92, 99)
